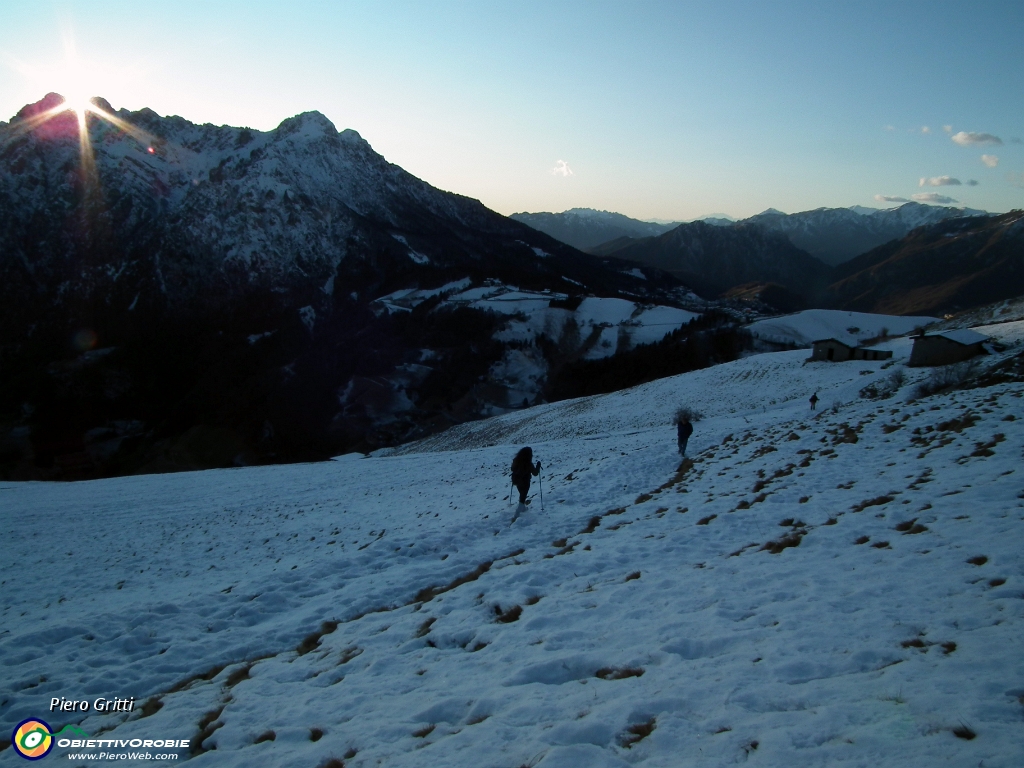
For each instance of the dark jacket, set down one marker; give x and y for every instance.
(684, 430)
(523, 467)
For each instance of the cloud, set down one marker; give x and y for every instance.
(925, 129)
(932, 197)
(967, 138)
(939, 181)
(891, 199)
(972, 183)
(947, 128)
(561, 169)
(990, 160)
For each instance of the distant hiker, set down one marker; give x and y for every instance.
(814, 400)
(522, 468)
(683, 431)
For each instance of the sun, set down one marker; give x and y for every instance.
(77, 80)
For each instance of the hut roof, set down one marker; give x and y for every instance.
(963, 336)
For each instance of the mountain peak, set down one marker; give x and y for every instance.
(309, 123)
(48, 102)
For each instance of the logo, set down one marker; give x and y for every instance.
(32, 739)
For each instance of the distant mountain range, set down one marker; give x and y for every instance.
(946, 267)
(715, 259)
(833, 235)
(585, 228)
(938, 268)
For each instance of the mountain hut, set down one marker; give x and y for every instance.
(946, 347)
(836, 351)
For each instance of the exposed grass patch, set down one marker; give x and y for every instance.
(592, 524)
(789, 540)
(315, 734)
(507, 617)
(706, 520)
(948, 648)
(240, 674)
(875, 502)
(633, 575)
(619, 673)
(427, 594)
(643, 497)
(208, 723)
(348, 654)
(425, 627)
(151, 707)
(965, 732)
(265, 736)
(477, 719)
(977, 560)
(637, 732)
(207, 675)
(997, 582)
(881, 545)
(958, 424)
(425, 731)
(862, 540)
(313, 640)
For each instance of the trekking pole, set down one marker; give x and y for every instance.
(510, 493)
(541, 479)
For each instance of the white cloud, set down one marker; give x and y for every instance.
(561, 169)
(932, 197)
(890, 127)
(967, 138)
(939, 181)
(891, 199)
(925, 129)
(990, 160)
(947, 128)
(972, 183)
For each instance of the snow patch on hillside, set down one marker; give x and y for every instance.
(851, 328)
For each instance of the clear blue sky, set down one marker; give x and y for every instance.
(660, 110)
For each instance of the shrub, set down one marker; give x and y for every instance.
(946, 377)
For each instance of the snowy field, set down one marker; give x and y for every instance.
(834, 588)
(852, 328)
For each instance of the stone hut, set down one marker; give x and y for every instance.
(946, 347)
(836, 351)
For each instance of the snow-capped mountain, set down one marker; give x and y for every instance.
(213, 289)
(585, 228)
(835, 235)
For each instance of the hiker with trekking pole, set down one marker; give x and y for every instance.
(523, 467)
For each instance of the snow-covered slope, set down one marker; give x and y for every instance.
(851, 328)
(841, 587)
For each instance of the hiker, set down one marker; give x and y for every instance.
(683, 431)
(814, 400)
(522, 468)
